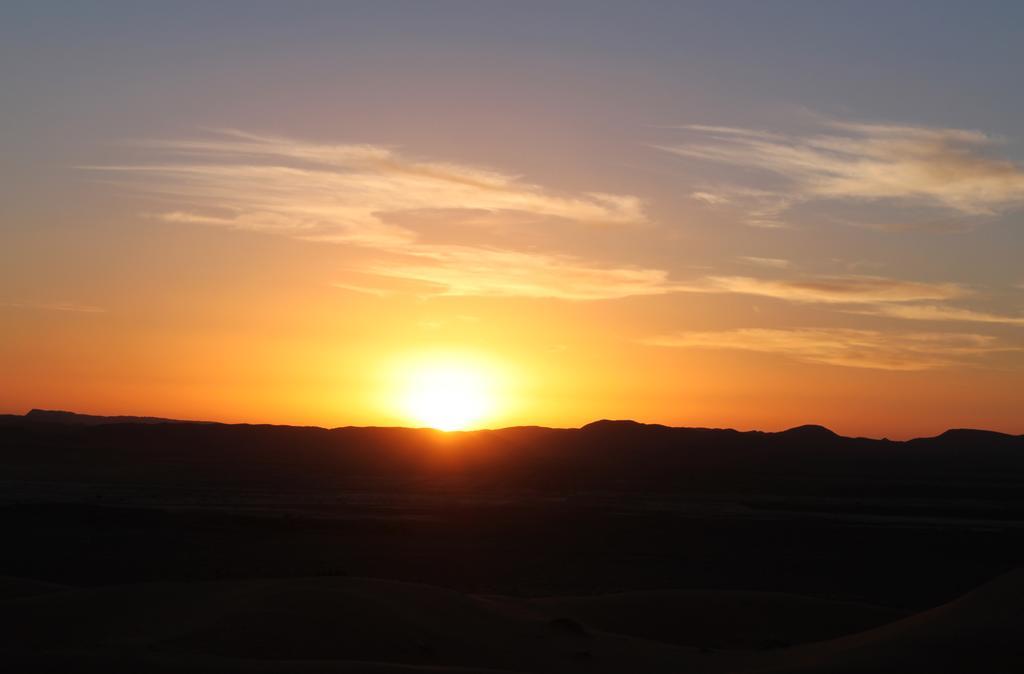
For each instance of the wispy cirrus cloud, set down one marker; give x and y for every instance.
(870, 349)
(867, 295)
(476, 271)
(342, 192)
(764, 209)
(931, 312)
(772, 262)
(833, 289)
(366, 196)
(949, 169)
(382, 202)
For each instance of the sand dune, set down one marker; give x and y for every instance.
(730, 620)
(981, 632)
(366, 625)
(331, 624)
(11, 588)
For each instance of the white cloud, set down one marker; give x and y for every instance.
(845, 347)
(342, 192)
(832, 289)
(928, 312)
(951, 169)
(772, 262)
(356, 195)
(465, 270)
(711, 198)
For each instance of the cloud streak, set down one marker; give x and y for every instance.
(771, 262)
(843, 347)
(865, 295)
(832, 289)
(476, 271)
(950, 169)
(930, 312)
(343, 192)
(356, 195)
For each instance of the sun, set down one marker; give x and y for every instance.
(448, 395)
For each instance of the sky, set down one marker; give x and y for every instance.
(729, 214)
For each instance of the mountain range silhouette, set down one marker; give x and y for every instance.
(600, 454)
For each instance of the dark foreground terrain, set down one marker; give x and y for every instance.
(137, 545)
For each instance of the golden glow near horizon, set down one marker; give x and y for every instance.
(447, 398)
(449, 392)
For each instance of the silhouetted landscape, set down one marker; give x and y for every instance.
(137, 544)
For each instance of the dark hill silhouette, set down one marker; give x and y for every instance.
(810, 432)
(602, 454)
(973, 435)
(619, 425)
(64, 417)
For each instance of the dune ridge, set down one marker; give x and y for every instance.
(369, 625)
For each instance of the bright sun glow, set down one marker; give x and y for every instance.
(449, 396)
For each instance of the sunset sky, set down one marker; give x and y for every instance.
(742, 214)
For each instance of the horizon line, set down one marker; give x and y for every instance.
(169, 420)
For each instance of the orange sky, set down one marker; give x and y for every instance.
(232, 326)
(295, 230)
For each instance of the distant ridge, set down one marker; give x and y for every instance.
(64, 417)
(959, 434)
(616, 427)
(604, 455)
(810, 432)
